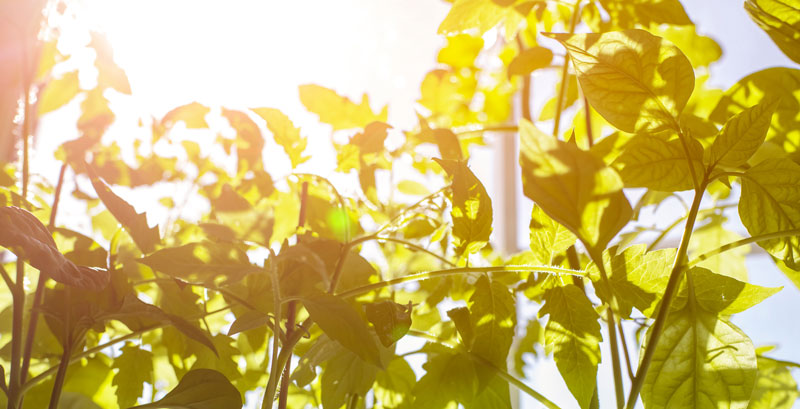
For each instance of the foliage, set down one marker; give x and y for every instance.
(281, 265)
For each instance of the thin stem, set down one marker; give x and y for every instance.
(274, 372)
(625, 349)
(588, 112)
(33, 321)
(9, 282)
(18, 305)
(562, 89)
(417, 248)
(61, 376)
(743, 242)
(455, 271)
(507, 128)
(669, 294)
(410, 208)
(612, 336)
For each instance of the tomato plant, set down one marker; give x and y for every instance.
(289, 289)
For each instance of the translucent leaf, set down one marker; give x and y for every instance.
(548, 238)
(635, 80)
(134, 367)
(478, 15)
(721, 294)
(341, 322)
(770, 194)
(742, 135)
(337, 111)
(472, 208)
(285, 134)
(701, 361)
(200, 389)
(145, 237)
(393, 386)
(660, 164)
(530, 60)
(59, 92)
(109, 73)
(249, 140)
(193, 115)
(710, 237)
(573, 187)
(201, 262)
(775, 387)
(345, 374)
(460, 51)
(493, 316)
(448, 377)
(781, 20)
(644, 13)
(573, 336)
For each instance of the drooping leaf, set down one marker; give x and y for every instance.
(701, 361)
(59, 92)
(200, 389)
(770, 194)
(573, 187)
(775, 387)
(201, 262)
(248, 320)
(636, 277)
(742, 135)
(472, 208)
(659, 164)
(341, 322)
(134, 367)
(572, 335)
(635, 80)
(285, 134)
(548, 238)
(781, 20)
(192, 114)
(493, 317)
(337, 111)
(145, 237)
(24, 235)
(390, 319)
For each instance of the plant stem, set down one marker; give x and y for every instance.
(666, 300)
(562, 89)
(744, 242)
(33, 321)
(507, 128)
(417, 248)
(625, 349)
(526, 97)
(18, 305)
(612, 334)
(61, 375)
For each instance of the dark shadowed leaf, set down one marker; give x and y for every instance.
(390, 319)
(200, 389)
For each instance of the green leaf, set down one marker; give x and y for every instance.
(572, 335)
(248, 320)
(145, 237)
(472, 208)
(775, 387)
(478, 15)
(134, 367)
(448, 377)
(635, 80)
(200, 389)
(770, 194)
(463, 322)
(530, 60)
(548, 238)
(701, 361)
(742, 135)
(645, 13)
(573, 187)
(495, 395)
(201, 262)
(337, 111)
(285, 134)
(636, 276)
(713, 236)
(390, 319)
(781, 20)
(721, 294)
(394, 385)
(59, 92)
(660, 164)
(345, 374)
(340, 321)
(493, 315)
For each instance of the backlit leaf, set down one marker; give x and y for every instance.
(109, 74)
(345, 374)
(480, 16)
(722, 294)
(742, 135)
(201, 262)
(493, 316)
(472, 208)
(710, 237)
(337, 111)
(285, 134)
(393, 386)
(548, 238)
(460, 51)
(770, 194)
(659, 164)
(134, 367)
(341, 322)
(781, 20)
(390, 319)
(59, 92)
(644, 13)
(529, 60)
(775, 387)
(635, 80)
(145, 237)
(573, 336)
(573, 187)
(200, 389)
(448, 378)
(193, 115)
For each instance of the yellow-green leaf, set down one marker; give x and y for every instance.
(472, 208)
(59, 92)
(722, 294)
(742, 135)
(644, 13)
(338, 111)
(480, 16)
(461, 50)
(134, 367)
(285, 134)
(775, 388)
(573, 336)
(200, 389)
(530, 60)
(573, 187)
(769, 204)
(635, 80)
(660, 164)
(781, 20)
(548, 238)
(193, 115)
